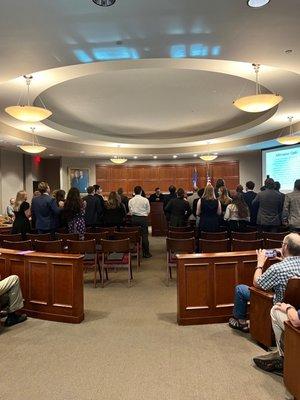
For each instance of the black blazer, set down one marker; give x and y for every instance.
(249, 197)
(153, 198)
(44, 210)
(93, 210)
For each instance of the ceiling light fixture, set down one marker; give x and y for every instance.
(291, 138)
(155, 157)
(118, 159)
(26, 112)
(257, 3)
(33, 148)
(175, 156)
(208, 156)
(135, 157)
(104, 3)
(258, 102)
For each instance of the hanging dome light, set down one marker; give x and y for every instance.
(33, 148)
(28, 113)
(118, 160)
(208, 157)
(291, 138)
(258, 102)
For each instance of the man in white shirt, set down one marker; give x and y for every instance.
(139, 208)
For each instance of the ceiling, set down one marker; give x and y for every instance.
(148, 78)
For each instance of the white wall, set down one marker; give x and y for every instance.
(11, 178)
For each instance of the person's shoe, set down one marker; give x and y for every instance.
(269, 362)
(148, 255)
(13, 319)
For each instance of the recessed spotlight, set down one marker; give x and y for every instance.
(82, 152)
(195, 155)
(104, 3)
(135, 157)
(257, 3)
(51, 155)
(175, 156)
(155, 157)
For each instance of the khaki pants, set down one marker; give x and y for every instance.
(278, 318)
(10, 291)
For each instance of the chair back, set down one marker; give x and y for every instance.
(245, 245)
(39, 236)
(214, 235)
(244, 235)
(67, 236)
(11, 237)
(273, 244)
(98, 236)
(179, 228)
(274, 236)
(51, 246)
(134, 236)
(214, 246)
(22, 245)
(292, 293)
(181, 245)
(117, 246)
(81, 246)
(181, 235)
(130, 229)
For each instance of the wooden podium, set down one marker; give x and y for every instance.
(158, 219)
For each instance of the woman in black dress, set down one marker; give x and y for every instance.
(114, 211)
(22, 214)
(208, 210)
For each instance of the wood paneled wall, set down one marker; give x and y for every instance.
(111, 177)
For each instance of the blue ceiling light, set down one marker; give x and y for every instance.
(257, 3)
(104, 3)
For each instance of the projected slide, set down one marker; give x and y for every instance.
(282, 165)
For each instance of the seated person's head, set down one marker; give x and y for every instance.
(291, 245)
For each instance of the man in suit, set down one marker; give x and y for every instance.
(157, 196)
(249, 196)
(124, 199)
(169, 197)
(269, 203)
(98, 194)
(178, 209)
(44, 210)
(93, 210)
(291, 208)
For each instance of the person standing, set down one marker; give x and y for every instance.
(291, 208)
(269, 204)
(22, 214)
(124, 199)
(237, 213)
(169, 197)
(98, 194)
(114, 211)
(208, 210)
(93, 210)
(139, 208)
(10, 208)
(191, 200)
(74, 212)
(157, 196)
(249, 196)
(44, 210)
(178, 209)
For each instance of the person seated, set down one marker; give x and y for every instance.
(157, 196)
(280, 313)
(11, 300)
(237, 213)
(10, 208)
(274, 278)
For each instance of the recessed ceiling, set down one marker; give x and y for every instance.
(155, 107)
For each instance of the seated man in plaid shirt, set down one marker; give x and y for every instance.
(275, 278)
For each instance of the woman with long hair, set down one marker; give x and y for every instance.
(237, 213)
(224, 198)
(208, 210)
(73, 212)
(114, 210)
(22, 214)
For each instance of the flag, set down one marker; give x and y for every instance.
(195, 177)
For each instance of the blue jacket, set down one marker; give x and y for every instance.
(44, 209)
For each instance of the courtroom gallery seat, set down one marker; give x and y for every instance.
(11, 237)
(38, 236)
(177, 246)
(273, 244)
(88, 249)
(67, 236)
(244, 235)
(135, 243)
(274, 235)
(116, 254)
(214, 246)
(21, 245)
(181, 235)
(214, 235)
(244, 245)
(179, 228)
(51, 246)
(292, 359)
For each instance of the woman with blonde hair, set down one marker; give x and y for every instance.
(208, 210)
(22, 214)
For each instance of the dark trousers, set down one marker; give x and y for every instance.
(143, 223)
(268, 228)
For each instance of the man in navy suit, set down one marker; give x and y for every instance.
(44, 209)
(249, 196)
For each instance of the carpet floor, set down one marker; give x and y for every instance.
(130, 347)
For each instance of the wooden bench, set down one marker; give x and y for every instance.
(291, 371)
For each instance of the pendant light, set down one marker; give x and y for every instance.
(291, 138)
(26, 112)
(258, 102)
(118, 159)
(208, 156)
(33, 148)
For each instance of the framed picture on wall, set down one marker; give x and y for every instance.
(79, 178)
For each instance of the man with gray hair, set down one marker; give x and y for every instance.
(274, 278)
